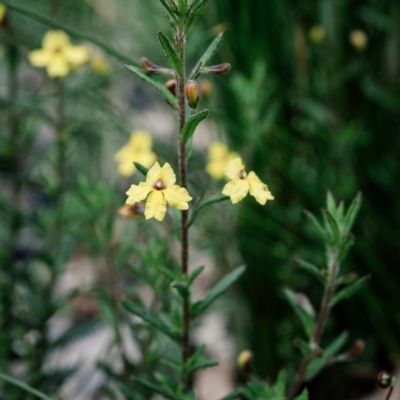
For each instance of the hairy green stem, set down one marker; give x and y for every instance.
(333, 269)
(181, 43)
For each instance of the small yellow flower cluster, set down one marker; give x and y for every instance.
(2, 11)
(58, 55)
(138, 149)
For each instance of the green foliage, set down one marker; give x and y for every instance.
(192, 123)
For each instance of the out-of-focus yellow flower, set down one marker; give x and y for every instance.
(138, 149)
(2, 11)
(358, 39)
(242, 183)
(159, 189)
(317, 34)
(58, 55)
(219, 155)
(97, 61)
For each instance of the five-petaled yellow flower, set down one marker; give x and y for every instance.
(2, 11)
(219, 155)
(58, 55)
(242, 183)
(159, 189)
(138, 149)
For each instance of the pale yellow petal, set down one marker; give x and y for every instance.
(58, 67)
(236, 189)
(76, 55)
(39, 58)
(140, 140)
(177, 197)
(218, 150)
(55, 40)
(258, 189)
(126, 168)
(156, 206)
(137, 193)
(168, 175)
(216, 168)
(2, 11)
(154, 174)
(233, 168)
(147, 159)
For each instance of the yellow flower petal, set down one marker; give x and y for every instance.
(55, 40)
(140, 140)
(76, 55)
(154, 174)
(2, 11)
(236, 189)
(218, 150)
(177, 197)
(168, 175)
(58, 67)
(156, 206)
(233, 168)
(39, 58)
(138, 193)
(216, 168)
(258, 189)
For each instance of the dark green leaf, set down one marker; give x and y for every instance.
(216, 291)
(195, 273)
(317, 226)
(312, 269)
(332, 226)
(207, 202)
(144, 383)
(191, 124)
(352, 213)
(171, 53)
(167, 272)
(303, 346)
(346, 246)
(350, 290)
(280, 386)
(303, 396)
(141, 169)
(170, 6)
(194, 12)
(157, 85)
(202, 365)
(151, 319)
(24, 386)
(331, 203)
(207, 56)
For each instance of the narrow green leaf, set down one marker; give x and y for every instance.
(352, 212)
(182, 6)
(216, 291)
(170, 7)
(191, 124)
(195, 273)
(151, 319)
(167, 272)
(144, 383)
(312, 269)
(317, 226)
(303, 346)
(194, 12)
(141, 168)
(350, 290)
(306, 318)
(156, 85)
(205, 203)
(303, 396)
(330, 202)
(202, 365)
(207, 56)
(66, 28)
(24, 386)
(171, 53)
(332, 225)
(232, 396)
(346, 246)
(319, 363)
(280, 386)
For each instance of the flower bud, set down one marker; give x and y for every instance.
(171, 86)
(220, 69)
(357, 349)
(385, 380)
(244, 361)
(358, 39)
(192, 94)
(131, 210)
(152, 68)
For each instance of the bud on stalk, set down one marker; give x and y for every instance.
(192, 94)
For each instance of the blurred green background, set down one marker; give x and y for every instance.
(312, 103)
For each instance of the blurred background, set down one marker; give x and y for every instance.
(312, 103)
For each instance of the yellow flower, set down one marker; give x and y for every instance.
(219, 155)
(2, 11)
(242, 183)
(58, 55)
(159, 189)
(138, 149)
(317, 34)
(97, 61)
(358, 39)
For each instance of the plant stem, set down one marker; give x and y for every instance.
(333, 269)
(181, 42)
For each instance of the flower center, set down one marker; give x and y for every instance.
(57, 50)
(242, 174)
(159, 185)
